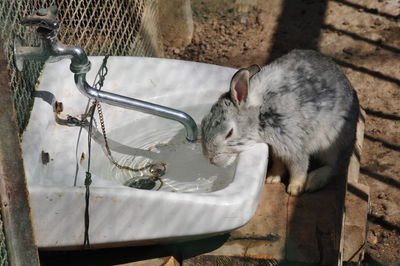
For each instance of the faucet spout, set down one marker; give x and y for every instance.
(138, 105)
(51, 50)
(57, 51)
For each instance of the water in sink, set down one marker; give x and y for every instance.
(186, 168)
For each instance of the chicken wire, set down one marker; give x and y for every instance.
(3, 249)
(100, 27)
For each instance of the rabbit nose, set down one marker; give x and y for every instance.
(217, 160)
(213, 160)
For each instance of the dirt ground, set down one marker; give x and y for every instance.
(364, 38)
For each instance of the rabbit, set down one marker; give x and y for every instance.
(301, 105)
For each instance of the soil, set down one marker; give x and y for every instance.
(364, 39)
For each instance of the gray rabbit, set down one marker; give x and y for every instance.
(301, 105)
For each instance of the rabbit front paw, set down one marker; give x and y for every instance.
(277, 171)
(273, 179)
(295, 189)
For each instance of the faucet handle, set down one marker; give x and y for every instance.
(45, 18)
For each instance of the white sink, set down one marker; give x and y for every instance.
(197, 199)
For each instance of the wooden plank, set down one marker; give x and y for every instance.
(298, 229)
(213, 260)
(355, 225)
(354, 167)
(167, 261)
(314, 227)
(356, 204)
(264, 236)
(13, 191)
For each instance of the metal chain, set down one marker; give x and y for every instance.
(156, 169)
(157, 172)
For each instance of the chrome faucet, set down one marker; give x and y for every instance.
(52, 50)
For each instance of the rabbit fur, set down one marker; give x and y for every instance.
(301, 105)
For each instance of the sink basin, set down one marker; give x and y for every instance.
(194, 200)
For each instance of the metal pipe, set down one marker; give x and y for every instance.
(138, 105)
(52, 50)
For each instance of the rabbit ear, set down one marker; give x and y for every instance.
(240, 83)
(253, 69)
(240, 86)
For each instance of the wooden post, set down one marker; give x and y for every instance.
(15, 209)
(176, 22)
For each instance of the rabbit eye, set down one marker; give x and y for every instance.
(229, 134)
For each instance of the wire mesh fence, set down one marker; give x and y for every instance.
(100, 27)
(3, 248)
